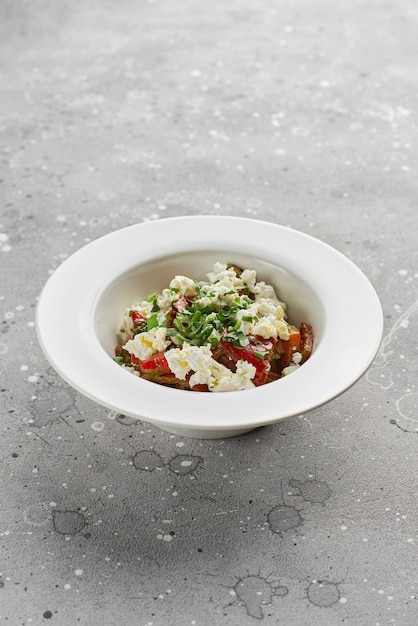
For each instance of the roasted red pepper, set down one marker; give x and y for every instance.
(156, 364)
(156, 369)
(137, 318)
(306, 341)
(139, 321)
(259, 353)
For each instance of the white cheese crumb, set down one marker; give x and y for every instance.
(166, 298)
(265, 327)
(236, 381)
(144, 345)
(207, 371)
(289, 369)
(294, 364)
(268, 319)
(262, 290)
(185, 285)
(182, 360)
(296, 358)
(248, 277)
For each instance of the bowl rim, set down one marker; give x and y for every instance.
(348, 296)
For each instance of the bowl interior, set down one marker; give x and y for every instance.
(137, 283)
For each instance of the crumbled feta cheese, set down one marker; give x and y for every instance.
(265, 327)
(248, 277)
(220, 270)
(289, 369)
(294, 365)
(166, 298)
(185, 285)
(262, 290)
(268, 306)
(126, 326)
(162, 318)
(296, 358)
(236, 381)
(146, 344)
(225, 276)
(283, 329)
(144, 308)
(268, 320)
(182, 360)
(207, 371)
(251, 311)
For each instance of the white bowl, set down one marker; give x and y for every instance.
(80, 307)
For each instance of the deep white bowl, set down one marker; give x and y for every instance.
(80, 307)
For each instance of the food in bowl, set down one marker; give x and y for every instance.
(227, 333)
(94, 286)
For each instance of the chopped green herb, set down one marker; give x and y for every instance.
(238, 338)
(262, 355)
(154, 299)
(199, 291)
(152, 322)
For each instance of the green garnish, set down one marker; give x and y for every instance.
(152, 322)
(154, 298)
(199, 291)
(262, 355)
(196, 326)
(238, 338)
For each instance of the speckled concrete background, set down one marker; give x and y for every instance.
(301, 113)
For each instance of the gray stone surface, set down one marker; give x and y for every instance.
(300, 113)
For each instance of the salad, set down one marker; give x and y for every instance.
(227, 333)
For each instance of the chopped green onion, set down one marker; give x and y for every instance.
(198, 288)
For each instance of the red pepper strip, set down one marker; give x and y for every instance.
(200, 387)
(254, 354)
(306, 341)
(287, 347)
(157, 363)
(156, 369)
(137, 318)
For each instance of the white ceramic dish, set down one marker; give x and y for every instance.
(80, 307)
